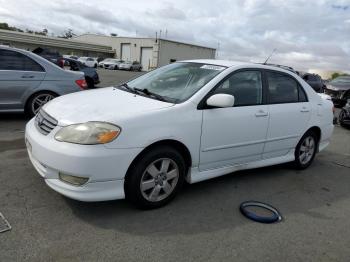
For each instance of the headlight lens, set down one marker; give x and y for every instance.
(89, 133)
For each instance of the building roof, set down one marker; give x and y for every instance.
(13, 36)
(151, 38)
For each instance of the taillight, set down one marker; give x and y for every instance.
(81, 83)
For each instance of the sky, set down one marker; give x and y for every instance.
(306, 34)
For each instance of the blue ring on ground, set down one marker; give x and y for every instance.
(276, 217)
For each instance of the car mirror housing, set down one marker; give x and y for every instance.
(221, 100)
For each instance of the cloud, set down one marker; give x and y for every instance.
(306, 34)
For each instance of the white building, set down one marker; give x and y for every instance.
(151, 52)
(64, 46)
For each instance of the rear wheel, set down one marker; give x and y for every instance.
(306, 150)
(155, 178)
(36, 101)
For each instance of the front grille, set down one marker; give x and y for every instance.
(44, 122)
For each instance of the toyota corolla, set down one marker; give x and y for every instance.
(187, 121)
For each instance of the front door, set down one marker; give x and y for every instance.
(237, 134)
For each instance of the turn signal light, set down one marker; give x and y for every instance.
(107, 137)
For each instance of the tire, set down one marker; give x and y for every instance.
(159, 187)
(33, 104)
(342, 115)
(95, 66)
(90, 83)
(306, 150)
(116, 68)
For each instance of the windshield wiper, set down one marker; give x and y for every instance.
(149, 93)
(126, 86)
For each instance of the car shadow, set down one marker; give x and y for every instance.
(214, 204)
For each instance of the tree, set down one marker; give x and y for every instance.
(68, 34)
(336, 74)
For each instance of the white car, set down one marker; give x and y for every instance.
(191, 120)
(113, 64)
(101, 64)
(88, 61)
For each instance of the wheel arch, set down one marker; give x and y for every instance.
(183, 150)
(317, 131)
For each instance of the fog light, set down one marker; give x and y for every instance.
(73, 180)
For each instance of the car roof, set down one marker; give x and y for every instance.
(228, 63)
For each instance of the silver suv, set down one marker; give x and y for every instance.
(28, 81)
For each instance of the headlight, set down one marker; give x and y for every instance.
(89, 133)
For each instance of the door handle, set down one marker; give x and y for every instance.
(305, 110)
(27, 76)
(261, 113)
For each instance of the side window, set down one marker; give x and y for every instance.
(245, 86)
(302, 95)
(282, 88)
(11, 60)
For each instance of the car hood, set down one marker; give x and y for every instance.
(105, 104)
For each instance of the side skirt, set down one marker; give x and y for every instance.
(195, 175)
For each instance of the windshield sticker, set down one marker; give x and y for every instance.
(213, 67)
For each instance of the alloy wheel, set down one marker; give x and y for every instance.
(159, 179)
(39, 101)
(307, 150)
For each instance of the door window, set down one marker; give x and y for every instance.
(11, 60)
(245, 86)
(284, 89)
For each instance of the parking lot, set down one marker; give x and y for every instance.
(202, 223)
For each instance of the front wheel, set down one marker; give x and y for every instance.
(37, 101)
(155, 178)
(306, 150)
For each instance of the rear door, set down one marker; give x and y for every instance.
(19, 75)
(289, 111)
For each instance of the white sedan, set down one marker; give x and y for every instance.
(89, 61)
(187, 121)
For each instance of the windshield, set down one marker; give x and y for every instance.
(341, 80)
(178, 81)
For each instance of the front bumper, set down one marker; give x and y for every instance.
(105, 168)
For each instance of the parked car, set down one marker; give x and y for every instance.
(51, 55)
(28, 81)
(315, 81)
(101, 64)
(88, 61)
(113, 64)
(191, 120)
(131, 66)
(91, 75)
(344, 115)
(339, 90)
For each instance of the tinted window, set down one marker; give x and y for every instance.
(11, 60)
(282, 88)
(245, 86)
(302, 95)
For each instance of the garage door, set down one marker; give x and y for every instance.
(146, 57)
(126, 55)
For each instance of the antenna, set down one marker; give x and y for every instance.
(267, 59)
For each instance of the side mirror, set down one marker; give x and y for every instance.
(221, 100)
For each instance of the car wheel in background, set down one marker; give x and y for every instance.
(116, 67)
(95, 66)
(37, 100)
(342, 116)
(90, 83)
(306, 150)
(155, 178)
